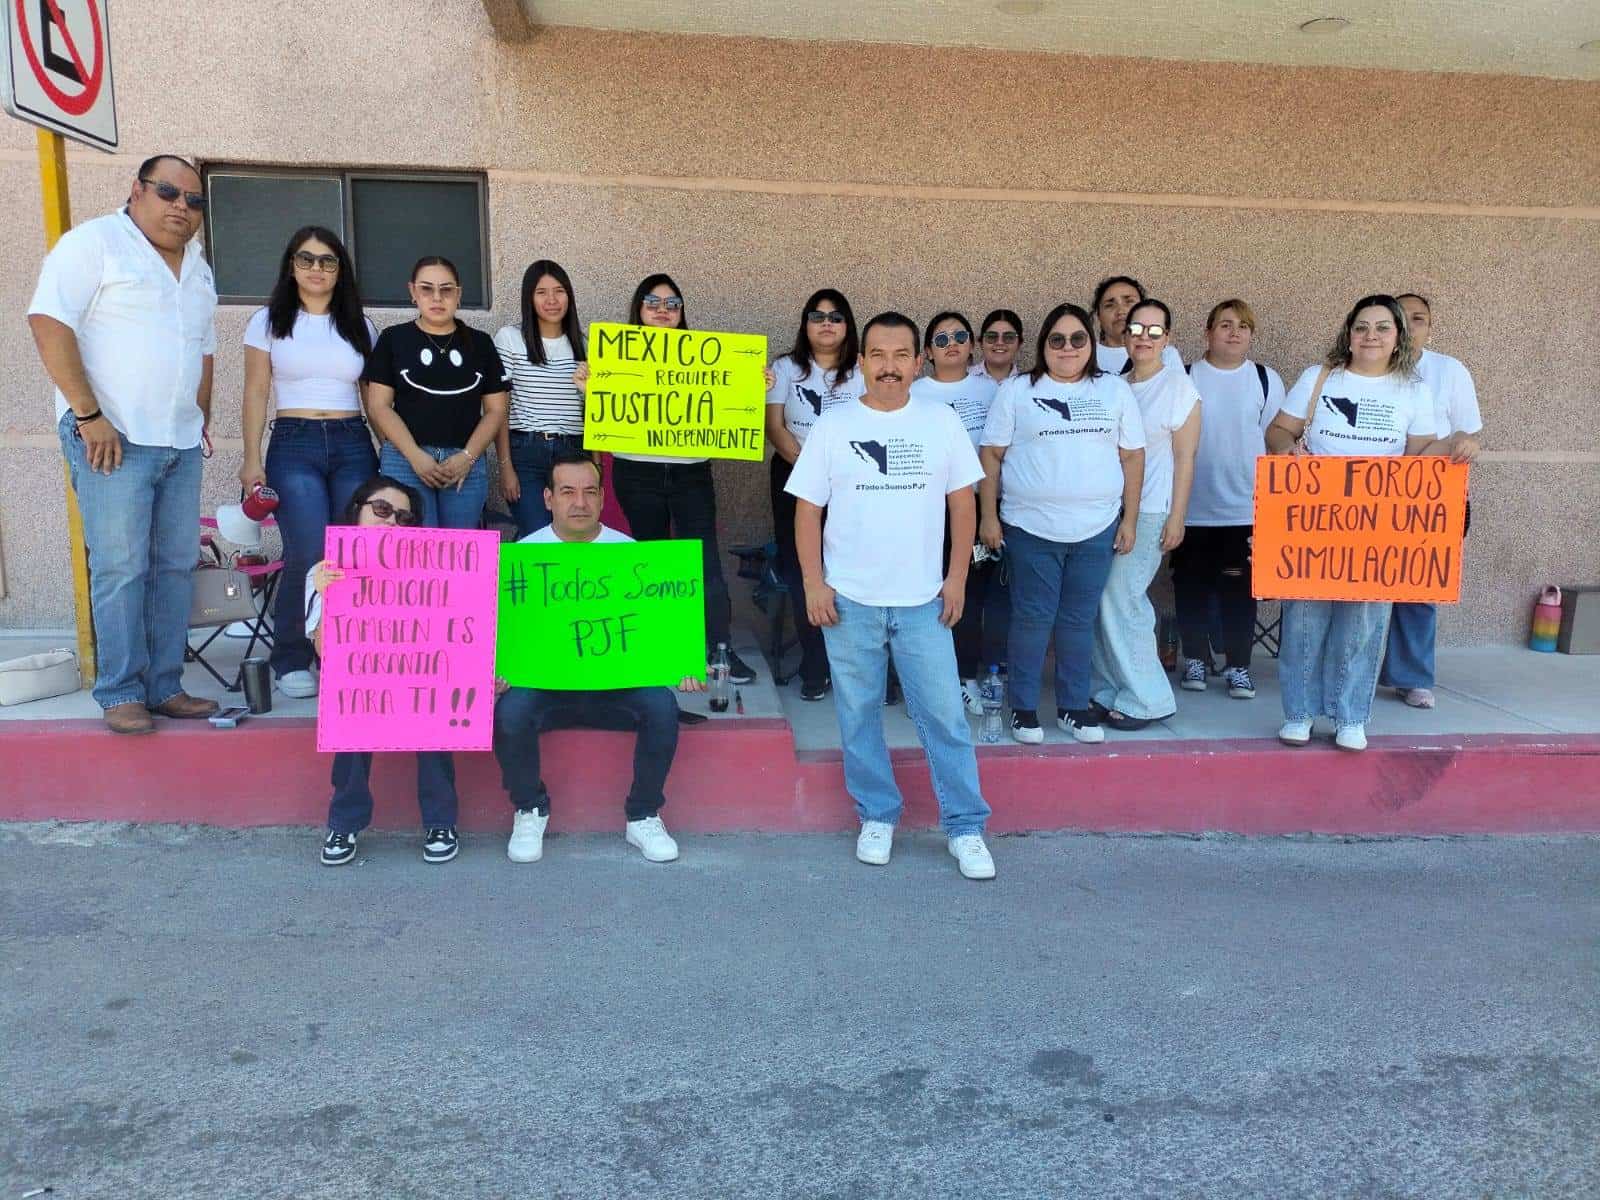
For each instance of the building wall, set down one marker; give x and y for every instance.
(754, 171)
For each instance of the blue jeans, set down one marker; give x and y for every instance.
(530, 458)
(1328, 660)
(860, 647)
(442, 508)
(522, 714)
(315, 467)
(1408, 662)
(141, 525)
(350, 810)
(678, 500)
(1055, 586)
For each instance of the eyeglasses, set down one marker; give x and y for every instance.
(195, 200)
(997, 336)
(960, 337)
(383, 510)
(655, 303)
(443, 291)
(1060, 341)
(1139, 329)
(818, 317)
(306, 261)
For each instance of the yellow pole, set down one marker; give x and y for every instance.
(57, 220)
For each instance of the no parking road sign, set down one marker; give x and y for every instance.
(58, 68)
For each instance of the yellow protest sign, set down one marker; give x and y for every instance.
(677, 393)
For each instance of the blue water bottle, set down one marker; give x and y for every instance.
(992, 694)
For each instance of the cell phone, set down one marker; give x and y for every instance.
(229, 718)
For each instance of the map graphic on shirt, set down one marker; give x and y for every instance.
(1083, 414)
(814, 399)
(896, 456)
(1050, 404)
(1345, 407)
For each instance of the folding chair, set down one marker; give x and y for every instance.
(1268, 634)
(246, 597)
(771, 595)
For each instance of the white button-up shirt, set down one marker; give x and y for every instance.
(142, 332)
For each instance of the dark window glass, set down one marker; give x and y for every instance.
(249, 219)
(397, 221)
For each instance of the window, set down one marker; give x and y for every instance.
(387, 219)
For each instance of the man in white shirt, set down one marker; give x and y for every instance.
(887, 468)
(1408, 660)
(122, 317)
(574, 496)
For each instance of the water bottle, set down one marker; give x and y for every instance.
(717, 679)
(992, 694)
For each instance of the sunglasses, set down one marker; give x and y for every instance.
(1060, 341)
(306, 261)
(997, 337)
(444, 291)
(655, 303)
(383, 510)
(1139, 329)
(960, 337)
(195, 200)
(817, 317)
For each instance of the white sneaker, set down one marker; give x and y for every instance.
(299, 685)
(1295, 733)
(972, 697)
(1351, 737)
(1089, 735)
(1028, 735)
(652, 839)
(972, 856)
(527, 837)
(875, 843)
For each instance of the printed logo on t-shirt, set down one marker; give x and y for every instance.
(893, 458)
(814, 399)
(1084, 414)
(439, 368)
(1369, 417)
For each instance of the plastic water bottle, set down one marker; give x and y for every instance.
(717, 679)
(992, 694)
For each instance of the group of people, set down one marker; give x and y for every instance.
(940, 513)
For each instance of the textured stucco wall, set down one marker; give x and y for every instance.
(754, 171)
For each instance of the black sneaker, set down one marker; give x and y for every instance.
(815, 691)
(1025, 727)
(338, 849)
(739, 671)
(440, 846)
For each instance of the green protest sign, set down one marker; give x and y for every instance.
(675, 392)
(581, 615)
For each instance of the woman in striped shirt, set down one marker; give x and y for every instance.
(542, 355)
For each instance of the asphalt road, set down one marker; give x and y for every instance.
(201, 1013)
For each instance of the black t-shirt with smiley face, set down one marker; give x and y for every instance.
(439, 380)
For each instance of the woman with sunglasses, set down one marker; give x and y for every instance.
(378, 502)
(1128, 683)
(1330, 650)
(1000, 336)
(546, 417)
(436, 391)
(676, 497)
(306, 349)
(1063, 458)
(1114, 299)
(821, 370)
(981, 632)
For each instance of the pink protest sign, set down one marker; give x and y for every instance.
(408, 639)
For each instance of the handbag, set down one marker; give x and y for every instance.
(39, 676)
(221, 594)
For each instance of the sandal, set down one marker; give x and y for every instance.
(1418, 697)
(1126, 724)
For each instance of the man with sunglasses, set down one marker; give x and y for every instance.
(122, 317)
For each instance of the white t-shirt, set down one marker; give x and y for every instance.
(1062, 475)
(606, 534)
(969, 397)
(1165, 401)
(1233, 424)
(806, 399)
(978, 368)
(315, 367)
(883, 477)
(543, 397)
(1455, 398)
(1361, 415)
(1112, 359)
(313, 603)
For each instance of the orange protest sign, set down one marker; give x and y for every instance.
(1334, 528)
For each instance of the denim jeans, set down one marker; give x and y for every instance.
(860, 647)
(530, 458)
(1328, 660)
(1213, 561)
(1408, 662)
(1055, 586)
(315, 467)
(442, 508)
(141, 525)
(1125, 668)
(350, 810)
(663, 500)
(813, 649)
(522, 714)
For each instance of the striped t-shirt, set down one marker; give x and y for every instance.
(543, 398)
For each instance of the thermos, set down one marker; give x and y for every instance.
(1546, 621)
(257, 685)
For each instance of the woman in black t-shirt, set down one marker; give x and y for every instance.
(437, 394)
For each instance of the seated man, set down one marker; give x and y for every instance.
(574, 498)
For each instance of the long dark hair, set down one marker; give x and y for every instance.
(1055, 314)
(344, 306)
(849, 349)
(366, 491)
(649, 284)
(533, 342)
